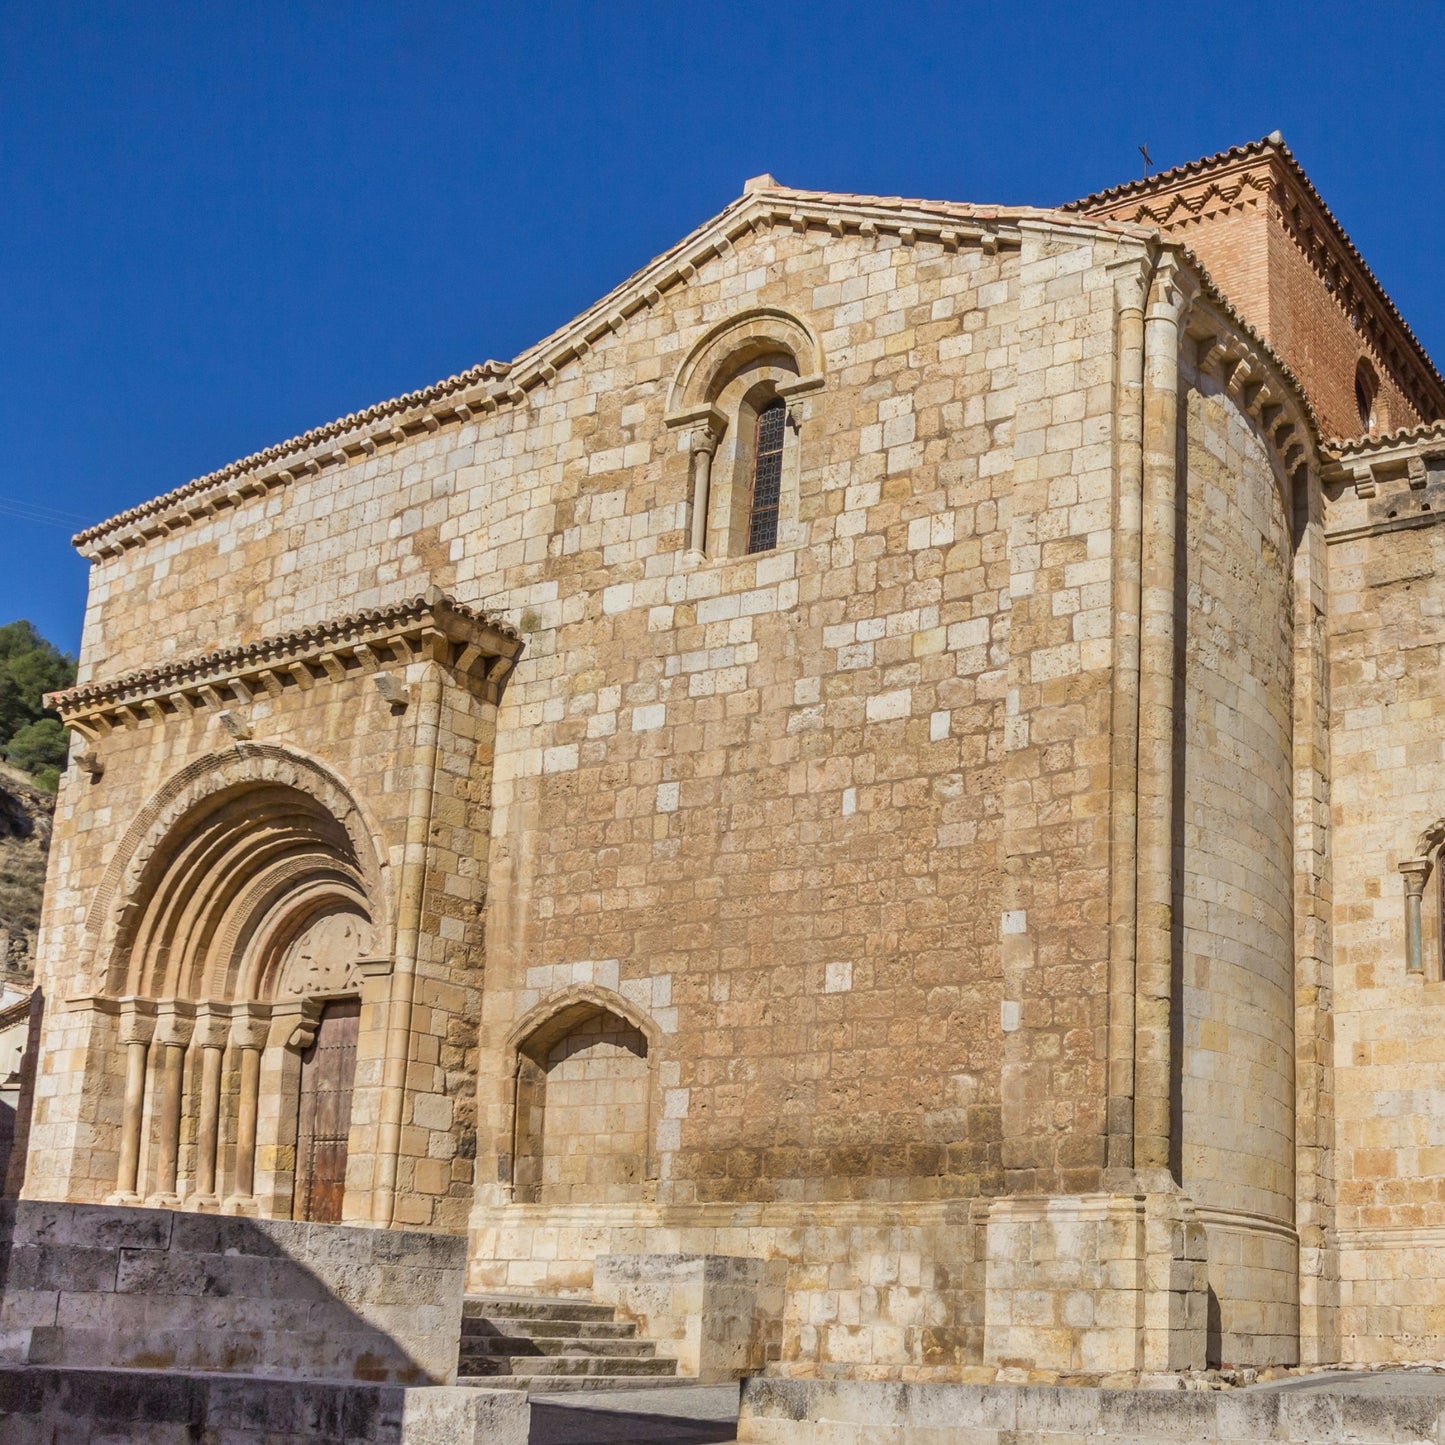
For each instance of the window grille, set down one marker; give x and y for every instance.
(767, 478)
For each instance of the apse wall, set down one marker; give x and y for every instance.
(1235, 1091)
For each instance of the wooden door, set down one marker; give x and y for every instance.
(328, 1068)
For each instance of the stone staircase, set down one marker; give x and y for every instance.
(547, 1345)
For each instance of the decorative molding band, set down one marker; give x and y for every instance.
(1257, 379)
(1392, 1236)
(496, 385)
(1247, 1221)
(432, 627)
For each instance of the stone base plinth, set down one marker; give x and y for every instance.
(718, 1316)
(1330, 1411)
(1094, 1284)
(45, 1405)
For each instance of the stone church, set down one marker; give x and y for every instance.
(899, 753)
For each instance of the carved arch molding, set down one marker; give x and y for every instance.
(250, 873)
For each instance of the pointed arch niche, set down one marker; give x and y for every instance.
(742, 377)
(244, 910)
(583, 1106)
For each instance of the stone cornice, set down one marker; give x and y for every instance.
(496, 385)
(1265, 172)
(364, 643)
(1378, 445)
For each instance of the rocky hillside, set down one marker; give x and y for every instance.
(25, 813)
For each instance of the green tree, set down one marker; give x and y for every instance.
(38, 745)
(31, 736)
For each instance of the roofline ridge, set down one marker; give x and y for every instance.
(608, 312)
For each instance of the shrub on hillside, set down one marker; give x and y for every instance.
(31, 736)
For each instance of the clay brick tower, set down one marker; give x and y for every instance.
(1254, 219)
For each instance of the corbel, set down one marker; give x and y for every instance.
(1417, 474)
(948, 239)
(395, 692)
(908, 235)
(335, 669)
(1364, 480)
(89, 763)
(272, 684)
(303, 1032)
(234, 724)
(303, 675)
(153, 710)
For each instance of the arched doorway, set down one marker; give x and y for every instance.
(246, 919)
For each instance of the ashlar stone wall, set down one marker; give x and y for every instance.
(1388, 684)
(1236, 1093)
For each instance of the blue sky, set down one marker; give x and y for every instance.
(223, 224)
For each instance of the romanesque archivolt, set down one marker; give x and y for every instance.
(201, 889)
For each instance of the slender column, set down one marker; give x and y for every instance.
(137, 1024)
(174, 1024)
(1170, 295)
(213, 1023)
(249, 1030)
(702, 445)
(416, 859)
(1131, 289)
(1414, 872)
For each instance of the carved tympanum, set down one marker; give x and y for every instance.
(322, 958)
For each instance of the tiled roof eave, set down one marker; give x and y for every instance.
(370, 639)
(494, 384)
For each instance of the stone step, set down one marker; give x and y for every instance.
(514, 1307)
(568, 1384)
(566, 1366)
(475, 1327)
(487, 1346)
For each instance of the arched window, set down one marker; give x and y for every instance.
(1367, 386)
(742, 388)
(767, 477)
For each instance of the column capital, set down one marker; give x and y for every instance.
(1173, 291)
(175, 1022)
(1131, 282)
(213, 1024)
(250, 1025)
(137, 1020)
(705, 436)
(1416, 873)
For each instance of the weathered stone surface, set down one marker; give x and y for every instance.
(52, 1406)
(231, 1295)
